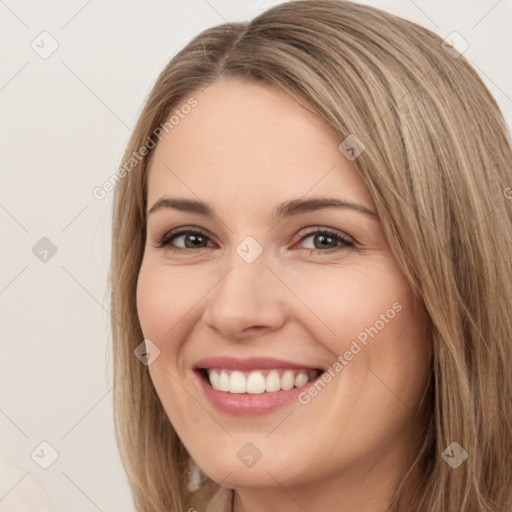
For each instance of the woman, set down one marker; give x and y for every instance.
(259, 369)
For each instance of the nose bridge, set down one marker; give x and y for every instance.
(248, 294)
(248, 263)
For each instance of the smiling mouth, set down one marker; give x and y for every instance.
(257, 382)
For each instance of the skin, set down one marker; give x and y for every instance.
(246, 148)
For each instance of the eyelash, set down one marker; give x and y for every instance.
(168, 237)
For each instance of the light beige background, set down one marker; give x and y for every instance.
(64, 122)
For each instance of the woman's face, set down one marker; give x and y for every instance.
(269, 290)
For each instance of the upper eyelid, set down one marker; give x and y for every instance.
(184, 231)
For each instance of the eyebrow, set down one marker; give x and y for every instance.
(287, 209)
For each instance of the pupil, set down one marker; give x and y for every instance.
(324, 237)
(193, 237)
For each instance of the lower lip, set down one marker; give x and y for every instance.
(247, 404)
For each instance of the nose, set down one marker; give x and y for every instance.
(247, 302)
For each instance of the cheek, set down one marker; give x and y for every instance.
(164, 305)
(165, 298)
(350, 304)
(369, 318)
(150, 303)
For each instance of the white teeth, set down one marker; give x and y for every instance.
(237, 383)
(301, 379)
(215, 379)
(256, 383)
(223, 382)
(287, 380)
(273, 382)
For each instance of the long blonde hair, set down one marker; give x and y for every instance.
(438, 163)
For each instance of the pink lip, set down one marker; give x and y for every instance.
(251, 363)
(245, 404)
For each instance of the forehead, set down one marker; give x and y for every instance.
(251, 139)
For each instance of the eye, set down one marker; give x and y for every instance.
(197, 239)
(325, 237)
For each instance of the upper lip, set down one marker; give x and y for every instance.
(250, 363)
